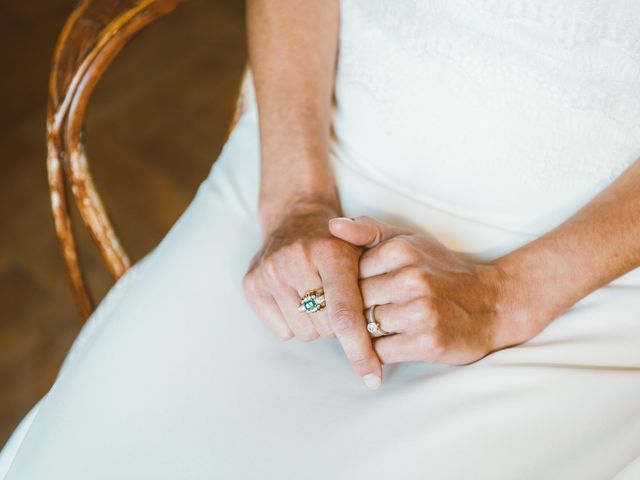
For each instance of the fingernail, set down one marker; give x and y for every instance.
(342, 218)
(371, 380)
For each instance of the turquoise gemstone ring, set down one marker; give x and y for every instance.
(312, 301)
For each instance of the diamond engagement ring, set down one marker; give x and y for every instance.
(312, 301)
(373, 327)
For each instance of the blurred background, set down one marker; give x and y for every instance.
(155, 125)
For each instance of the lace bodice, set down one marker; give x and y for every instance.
(511, 112)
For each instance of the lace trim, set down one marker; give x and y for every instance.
(407, 25)
(573, 25)
(533, 58)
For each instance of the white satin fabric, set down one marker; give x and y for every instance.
(436, 127)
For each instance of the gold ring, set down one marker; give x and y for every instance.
(312, 301)
(373, 327)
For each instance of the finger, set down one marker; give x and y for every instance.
(321, 324)
(320, 319)
(364, 230)
(398, 348)
(270, 313)
(299, 322)
(398, 286)
(408, 317)
(344, 305)
(266, 308)
(388, 256)
(379, 290)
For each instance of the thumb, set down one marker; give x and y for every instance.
(364, 231)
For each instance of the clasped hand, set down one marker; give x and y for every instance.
(439, 308)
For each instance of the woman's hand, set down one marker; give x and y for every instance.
(293, 49)
(441, 308)
(298, 255)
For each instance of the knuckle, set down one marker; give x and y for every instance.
(270, 267)
(415, 279)
(331, 249)
(330, 243)
(294, 250)
(343, 319)
(402, 247)
(302, 328)
(307, 337)
(422, 344)
(437, 352)
(425, 306)
(274, 326)
(324, 329)
(284, 334)
(324, 334)
(425, 310)
(426, 346)
(395, 247)
(248, 281)
(359, 362)
(326, 244)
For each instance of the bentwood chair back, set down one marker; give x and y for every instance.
(92, 37)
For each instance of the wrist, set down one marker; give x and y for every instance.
(519, 312)
(272, 214)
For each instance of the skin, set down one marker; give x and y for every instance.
(438, 307)
(445, 310)
(292, 52)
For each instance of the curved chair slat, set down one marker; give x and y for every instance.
(92, 37)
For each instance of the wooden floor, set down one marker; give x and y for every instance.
(154, 128)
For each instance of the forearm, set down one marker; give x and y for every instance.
(597, 244)
(292, 51)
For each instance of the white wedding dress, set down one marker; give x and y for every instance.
(484, 122)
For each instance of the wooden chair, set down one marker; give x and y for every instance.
(94, 34)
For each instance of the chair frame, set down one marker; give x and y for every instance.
(94, 34)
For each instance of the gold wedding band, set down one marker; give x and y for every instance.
(373, 327)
